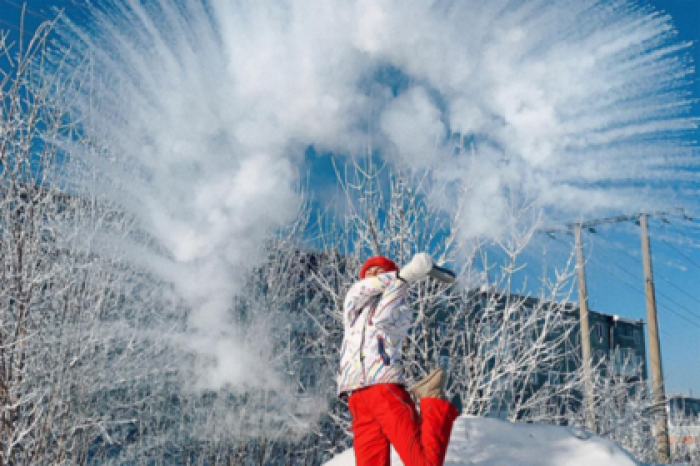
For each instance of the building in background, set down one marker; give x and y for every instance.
(621, 341)
(684, 422)
(617, 344)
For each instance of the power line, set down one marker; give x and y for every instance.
(678, 288)
(609, 259)
(636, 289)
(675, 249)
(665, 296)
(623, 250)
(591, 224)
(623, 218)
(79, 5)
(685, 217)
(28, 10)
(664, 278)
(653, 328)
(696, 324)
(22, 30)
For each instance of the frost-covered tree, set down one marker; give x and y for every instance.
(77, 348)
(684, 432)
(497, 342)
(94, 369)
(36, 418)
(512, 349)
(92, 360)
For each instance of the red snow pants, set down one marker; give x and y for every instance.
(385, 413)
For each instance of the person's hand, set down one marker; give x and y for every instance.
(417, 269)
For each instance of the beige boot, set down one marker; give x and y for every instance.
(432, 386)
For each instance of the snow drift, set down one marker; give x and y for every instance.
(491, 442)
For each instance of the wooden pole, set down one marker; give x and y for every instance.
(585, 332)
(657, 377)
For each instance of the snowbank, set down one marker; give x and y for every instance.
(492, 442)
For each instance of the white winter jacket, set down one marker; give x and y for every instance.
(376, 321)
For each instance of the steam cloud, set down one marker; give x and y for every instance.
(209, 106)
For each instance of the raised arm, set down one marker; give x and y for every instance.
(392, 304)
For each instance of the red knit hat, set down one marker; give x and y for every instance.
(379, 261)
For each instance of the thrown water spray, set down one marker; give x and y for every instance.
(203, 111)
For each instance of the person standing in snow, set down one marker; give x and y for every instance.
(376, 320)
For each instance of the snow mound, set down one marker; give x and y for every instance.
(493, 442)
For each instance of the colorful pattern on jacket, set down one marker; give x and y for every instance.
(376, 321)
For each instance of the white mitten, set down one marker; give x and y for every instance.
(417, 269)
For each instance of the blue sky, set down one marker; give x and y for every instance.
(614, 268)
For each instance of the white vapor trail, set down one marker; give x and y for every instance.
(209, 105)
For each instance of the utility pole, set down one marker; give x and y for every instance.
(585, 331)
(654, 347)
(657, 375)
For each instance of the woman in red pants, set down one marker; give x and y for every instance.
(376, 319)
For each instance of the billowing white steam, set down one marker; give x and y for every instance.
(209, 106)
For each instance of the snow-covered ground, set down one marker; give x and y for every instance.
(492, 442)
